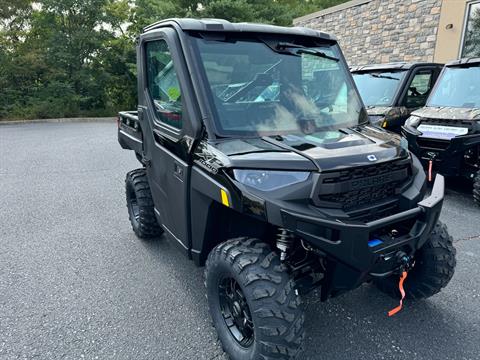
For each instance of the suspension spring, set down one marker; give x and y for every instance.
(284, 242)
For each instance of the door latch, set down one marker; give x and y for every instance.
(178, 170)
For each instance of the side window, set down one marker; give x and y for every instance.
(163, 85)
(419, 89)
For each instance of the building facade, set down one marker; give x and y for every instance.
(382, 31)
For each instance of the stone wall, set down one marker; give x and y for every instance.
(381, 31)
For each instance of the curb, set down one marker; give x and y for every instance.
(60, 120)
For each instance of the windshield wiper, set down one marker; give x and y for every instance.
(282, 48)
(285, 45)
(317, 53)
(384, 77)
(304, 50)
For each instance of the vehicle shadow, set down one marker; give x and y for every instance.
(177, 266)
(459, 208)
(356, 326)
(458, 185)
(189, 288)
(351, 326)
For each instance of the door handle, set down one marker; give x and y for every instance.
(178, 170)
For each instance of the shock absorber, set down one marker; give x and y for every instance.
(284, 242)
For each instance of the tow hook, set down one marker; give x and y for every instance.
(405, 261)
(432, 156)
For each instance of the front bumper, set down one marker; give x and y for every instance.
(348, 243)
(447, 155)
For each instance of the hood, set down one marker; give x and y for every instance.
(448, 113)
(378, 110)
(325, 151)
(388, 111)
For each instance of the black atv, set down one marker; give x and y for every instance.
(445, 134)
(392, 91)
(273, 179)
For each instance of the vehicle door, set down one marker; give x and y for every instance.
(415, 92)
(163, 114)
(419, 86)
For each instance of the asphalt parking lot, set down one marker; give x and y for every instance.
(76, 283)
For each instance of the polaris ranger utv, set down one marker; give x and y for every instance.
(445, 134)
(392, 91)
(272, 179)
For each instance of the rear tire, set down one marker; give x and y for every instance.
(476, 188)
(434, 267)
(140, 205)
(267, 302)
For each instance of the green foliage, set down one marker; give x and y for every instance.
(61, 58)
(472, 35)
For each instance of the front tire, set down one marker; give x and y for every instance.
(140, 205)
(476, 188)
(434, 267)
(254, 306)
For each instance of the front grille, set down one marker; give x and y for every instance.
(363, 187)
(433, 144)
(365, 171)
(357, 198)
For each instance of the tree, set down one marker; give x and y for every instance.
(77, 57)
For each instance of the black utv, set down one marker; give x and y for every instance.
(272, 179)
(445, 134)
(392, 91)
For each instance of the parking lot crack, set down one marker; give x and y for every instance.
(475, 237)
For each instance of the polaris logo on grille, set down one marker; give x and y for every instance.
(372, 157)
(372, 181)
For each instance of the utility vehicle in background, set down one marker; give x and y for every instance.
(392, 91)
(272, 179)
(445, 134)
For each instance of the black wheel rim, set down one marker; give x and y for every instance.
(133, 205)
(235, 311)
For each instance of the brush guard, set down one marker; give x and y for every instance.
(352, 260)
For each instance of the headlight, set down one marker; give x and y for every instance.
(413, 121)
(267, 180)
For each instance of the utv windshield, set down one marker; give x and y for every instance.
(267, 87)
(457, 87)
(378, 88)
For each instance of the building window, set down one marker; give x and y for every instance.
(471, 37)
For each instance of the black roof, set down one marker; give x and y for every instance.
(464, 61)
(219, 25)
(392, 66)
